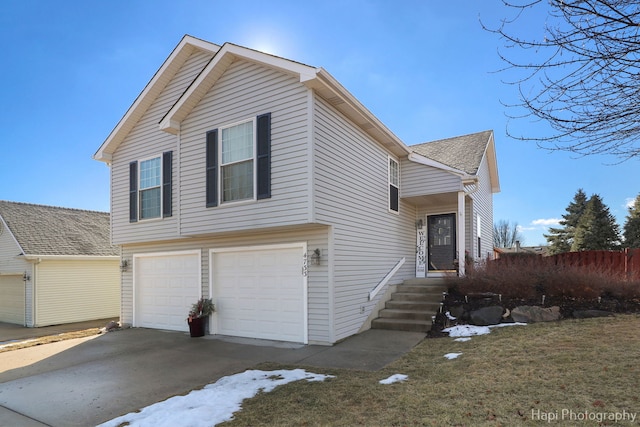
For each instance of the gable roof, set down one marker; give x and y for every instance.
(48, 230)
(314, 78)
(464, 153)
(158, 82)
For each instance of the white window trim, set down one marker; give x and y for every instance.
(139, 195)
(389, 184)
(254, 154)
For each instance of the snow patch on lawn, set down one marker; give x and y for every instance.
(215, 403)
(396, 378)
(451, 356)
(472, 330)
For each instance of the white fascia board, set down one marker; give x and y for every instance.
(420, 159)
(492, 161)
(149, 93)
(210, 74)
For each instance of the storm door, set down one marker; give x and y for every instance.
(441, 241)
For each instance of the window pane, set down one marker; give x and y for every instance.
(237, 143)
(237, 181)
(150, 173)
(394, 177)
(150, 203)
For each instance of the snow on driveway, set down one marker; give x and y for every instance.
(213, 404)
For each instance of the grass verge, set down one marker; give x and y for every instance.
(32, 342)
(513, 376)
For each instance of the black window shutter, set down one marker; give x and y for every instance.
(133, 191)
(212, 168)
(167, 163)
(264, 156)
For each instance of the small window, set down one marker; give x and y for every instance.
(237, 165)
(394, 185)
(479, 225)
(150, 188)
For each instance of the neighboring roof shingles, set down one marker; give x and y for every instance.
(461, 152)
(49, 230)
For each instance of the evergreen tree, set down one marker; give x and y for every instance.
(561, 239)
(597, 229)
(632, 226)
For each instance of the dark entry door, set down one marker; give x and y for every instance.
(442, 241)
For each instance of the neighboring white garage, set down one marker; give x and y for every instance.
(260, 292)
(12, 302)
(165, 287)
(57, 265)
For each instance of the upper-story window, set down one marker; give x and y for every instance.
(394, 185)
(237, 166)
(150, 183)
(150, 186)
(238, 161)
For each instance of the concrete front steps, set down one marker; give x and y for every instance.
(412, 305)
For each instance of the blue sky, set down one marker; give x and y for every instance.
(426, 69)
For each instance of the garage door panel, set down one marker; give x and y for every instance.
(260, 293)
(12, 300)
(166, 287)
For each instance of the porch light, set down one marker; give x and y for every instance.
(315, 257)
(26, 277)
(124, 265)
(419, 224)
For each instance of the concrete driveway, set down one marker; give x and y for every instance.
(89, 381)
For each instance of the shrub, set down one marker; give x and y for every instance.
(529, 276)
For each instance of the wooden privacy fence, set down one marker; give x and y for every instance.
(625, 262)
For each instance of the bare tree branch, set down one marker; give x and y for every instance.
(582, 77)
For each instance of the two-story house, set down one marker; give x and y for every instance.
(264, 184)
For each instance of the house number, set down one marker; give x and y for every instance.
(305, 265)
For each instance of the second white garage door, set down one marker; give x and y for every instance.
(12, 299)
(166, 285)
(260, 292)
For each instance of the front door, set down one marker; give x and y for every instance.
(441, 241)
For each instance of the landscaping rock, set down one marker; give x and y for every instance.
(531, 314)
(112, 326)
(486, 316)
(456, 311)
(587, 314)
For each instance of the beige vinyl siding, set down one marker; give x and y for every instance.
(420, 180)
(243, 92)
(13, 290)
(318, 293)
(73, 291)
(483, 205)
(144, 141)
(12, 299)
(351, 187)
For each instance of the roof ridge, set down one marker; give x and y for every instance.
(452, 137)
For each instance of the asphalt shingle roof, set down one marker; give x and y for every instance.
(49, 230)
(461, 152)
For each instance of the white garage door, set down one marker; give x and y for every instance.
(261, 293)
(12, 299)
(166, 285)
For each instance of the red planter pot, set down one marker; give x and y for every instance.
(197, 326)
